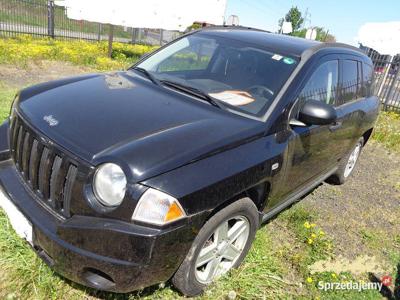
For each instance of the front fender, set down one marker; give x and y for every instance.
(208, 183)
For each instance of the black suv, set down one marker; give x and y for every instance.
(124, 180)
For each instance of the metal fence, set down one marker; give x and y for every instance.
(44, 18)
(387, 78)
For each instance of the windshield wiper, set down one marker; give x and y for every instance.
(193, 91)
(148, 75)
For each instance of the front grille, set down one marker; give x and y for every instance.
(49, 173)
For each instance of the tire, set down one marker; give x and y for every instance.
(192, 277)
(347, 165)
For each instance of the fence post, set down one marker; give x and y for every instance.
(110, 40)
(133, 35)
(50, 18)
(161, 36)
(384, 77)
(392, 85)
(99, 33)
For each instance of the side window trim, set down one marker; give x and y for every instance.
(313, 67)
(340, 83)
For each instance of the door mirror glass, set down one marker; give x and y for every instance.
(316, 112)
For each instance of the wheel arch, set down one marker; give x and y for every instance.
(258, 194)
(366, 135)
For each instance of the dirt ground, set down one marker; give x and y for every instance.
(17, 77)
(361, 217)
(370, 201)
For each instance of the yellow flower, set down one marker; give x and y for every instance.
(313, 235)
(307, 225)
(312, 225)
(309, 280)
(310, 241)
(334, 275)
(321, 233)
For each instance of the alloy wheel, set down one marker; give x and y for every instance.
(222, 249)
(352, 160)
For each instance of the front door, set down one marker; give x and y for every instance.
(313, 149)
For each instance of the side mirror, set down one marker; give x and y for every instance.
(316, 112)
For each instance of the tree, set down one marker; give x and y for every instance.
(322, 34)
(293, 16)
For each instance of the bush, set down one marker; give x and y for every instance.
(25, 49)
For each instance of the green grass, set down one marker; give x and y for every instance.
(24, 50)
(6, 98)
(387, 130)
(25, 276)
(316, 246)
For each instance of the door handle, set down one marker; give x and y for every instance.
(335, 126)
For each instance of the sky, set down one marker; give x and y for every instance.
(343, 18)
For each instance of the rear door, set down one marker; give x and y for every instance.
(350, 103)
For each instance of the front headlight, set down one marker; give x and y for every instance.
(109, 184)
(158, 208)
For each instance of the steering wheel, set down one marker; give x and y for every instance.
(260, 90)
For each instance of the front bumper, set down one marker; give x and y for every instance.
(102, 253)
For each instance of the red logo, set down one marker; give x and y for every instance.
(386, 280)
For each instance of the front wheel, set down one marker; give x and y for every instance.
(347, 165)
(222, 244)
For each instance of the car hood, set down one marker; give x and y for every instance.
(124, 118)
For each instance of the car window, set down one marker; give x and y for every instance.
(195, 56)
(243, 77)
(350, 88)
(368, 80)
(322, 85)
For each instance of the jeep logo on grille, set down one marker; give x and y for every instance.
(51, 120)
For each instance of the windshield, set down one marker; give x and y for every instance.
(243, 77)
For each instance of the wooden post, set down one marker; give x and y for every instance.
(161, 37)
(110, 40)
(99, 33)
(50, 18)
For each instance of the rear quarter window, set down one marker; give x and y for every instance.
(368, 80)
(350, 87)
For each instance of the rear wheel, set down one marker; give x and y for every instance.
(347, 165)
(221, 245)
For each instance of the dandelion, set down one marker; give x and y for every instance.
(310, 241)
(313, 235)
(307, 225)
(309, 280)
(312, 225)
(334, 275)
(321, 233)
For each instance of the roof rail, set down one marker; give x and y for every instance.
(216, 27)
